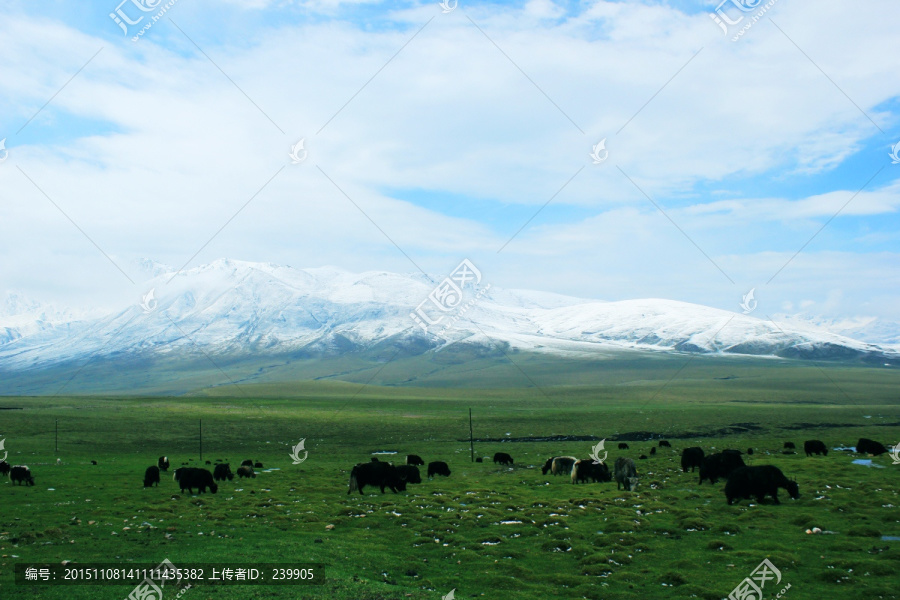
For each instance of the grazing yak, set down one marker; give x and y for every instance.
(258, 465)
(414, 460)
(816, 447)
(642, 457)
(438, 467)
(789, 446)
(652, 450)
(749, 451)
(664, 444)
(409, 473)
(223, 472)
(559, 465)
(245, 471)
(151, 476)
(163, 463)
(720, 465)
(759, 482)
(479, 459)
(586, 468)
(867, 446)
(21, 474)
(247, 463)
(189, 478)
(93, 462)
(378, 474)
(691, 458)
(4, 467)
(503, 458)
(623, 446)
(547, 465)
(626, 474)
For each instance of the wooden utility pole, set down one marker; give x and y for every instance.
(471, 440)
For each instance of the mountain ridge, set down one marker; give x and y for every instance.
(230, 308)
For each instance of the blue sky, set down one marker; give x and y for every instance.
(748, 147)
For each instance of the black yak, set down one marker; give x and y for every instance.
(189, 478)
(163, 463)
(623, 446)
(749, 451)
(438, 467)
(4, 467)
(720, 465)
(409, 473)
(867, 446)
(691, 458)
(652, 450)
(479, 459)
(209, 462)
(93, 462)
(503, 458)
(414, 460)
(547, 465)
(758, 482)
(664, 444)
(815, 447)
(789, 446)
(245, 471)
(247, 463)
(258, 465)
(21, 474)
(378, 474)
(642, 457)
(626, 474)
(222, 472)
(585, 469)
(151, 476)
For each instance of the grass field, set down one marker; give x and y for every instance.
(487, 531)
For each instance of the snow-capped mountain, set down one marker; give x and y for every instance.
(232, 308)
(22, 316)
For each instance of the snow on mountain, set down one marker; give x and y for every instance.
(238, 308)
(22, 317)
(867, 329)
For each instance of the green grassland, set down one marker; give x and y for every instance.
(487, 531)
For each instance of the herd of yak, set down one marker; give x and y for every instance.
(189, 478)
(742, 481)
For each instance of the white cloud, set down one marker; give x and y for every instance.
(451, 114)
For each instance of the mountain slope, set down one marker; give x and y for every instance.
(234, 311)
